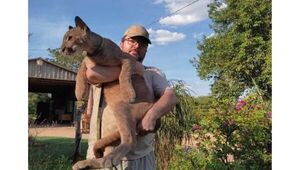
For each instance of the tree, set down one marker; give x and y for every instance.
(238, 56)
(71, 62)
(33, 99)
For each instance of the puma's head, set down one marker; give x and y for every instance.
(75, 37)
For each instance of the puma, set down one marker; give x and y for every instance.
(128, 109)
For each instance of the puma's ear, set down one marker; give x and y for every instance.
(79, 23)
(70, 27)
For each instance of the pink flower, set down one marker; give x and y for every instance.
(196, 128)
(240, 104)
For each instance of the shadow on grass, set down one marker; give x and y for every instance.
(53, 153)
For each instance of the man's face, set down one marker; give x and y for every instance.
(135, 46)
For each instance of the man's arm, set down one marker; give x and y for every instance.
(161, 107)
(100, 74)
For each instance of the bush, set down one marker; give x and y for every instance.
(187, 158)
(232, 136)
(33, 99)
(174, 126)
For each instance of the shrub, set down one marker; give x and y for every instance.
(33, 99)
(236, 135)
(240, 134)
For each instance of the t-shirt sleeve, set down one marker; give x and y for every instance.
(159, 81)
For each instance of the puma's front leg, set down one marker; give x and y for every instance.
(82, 86)
(126, 87)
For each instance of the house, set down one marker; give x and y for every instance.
(57, 81)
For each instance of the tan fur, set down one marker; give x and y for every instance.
(128, 109)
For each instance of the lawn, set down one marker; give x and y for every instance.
(53, 153)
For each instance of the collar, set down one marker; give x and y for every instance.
(97, 50)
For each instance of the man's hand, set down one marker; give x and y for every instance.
(147, 125)
(161, 107)
(100, 74)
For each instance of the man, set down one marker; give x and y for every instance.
(135, 42)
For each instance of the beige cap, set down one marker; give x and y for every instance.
(137, 30)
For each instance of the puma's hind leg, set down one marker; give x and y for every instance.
(126, 88)
(103, 142)
(127, 128)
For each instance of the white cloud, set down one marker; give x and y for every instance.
(47, 34)
(162, 37)
(158, 1)
(196, 12)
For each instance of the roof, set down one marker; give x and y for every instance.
(43, 69)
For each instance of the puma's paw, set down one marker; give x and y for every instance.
(109, 161)
(81, 165)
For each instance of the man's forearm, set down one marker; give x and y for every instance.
(100, 74)
(164, 105)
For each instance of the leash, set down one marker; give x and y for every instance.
(100, 112)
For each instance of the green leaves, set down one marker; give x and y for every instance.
(240, 50)
(71, 62)
(237, 59)
(240, 129)
(174, 125)
(33, 99)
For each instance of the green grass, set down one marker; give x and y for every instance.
(53, 153)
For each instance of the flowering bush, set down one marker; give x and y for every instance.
(232, 136)
(240, 104)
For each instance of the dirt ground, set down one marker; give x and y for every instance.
(65, 131)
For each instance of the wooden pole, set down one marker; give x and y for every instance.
(80, 108)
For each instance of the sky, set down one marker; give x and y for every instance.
(174, 35)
